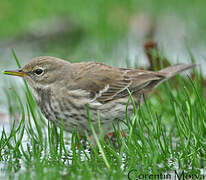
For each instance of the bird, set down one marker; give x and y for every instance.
(64, 91)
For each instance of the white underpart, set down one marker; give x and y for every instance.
(32, 87)
(34, 93)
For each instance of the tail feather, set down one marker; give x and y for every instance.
(173, 70)
(176, 69)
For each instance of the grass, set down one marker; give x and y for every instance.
(166, 134)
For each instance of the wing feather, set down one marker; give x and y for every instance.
(106, 83)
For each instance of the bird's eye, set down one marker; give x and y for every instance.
(38, 71)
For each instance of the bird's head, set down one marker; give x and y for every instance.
(42, 71)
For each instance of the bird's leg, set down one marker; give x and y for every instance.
(82, 141)
(113, 138)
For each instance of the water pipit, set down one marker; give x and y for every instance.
(63, 90)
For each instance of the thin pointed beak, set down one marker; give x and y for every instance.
(17, 72)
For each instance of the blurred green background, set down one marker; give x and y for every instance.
(101, 30)
(99, 19)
